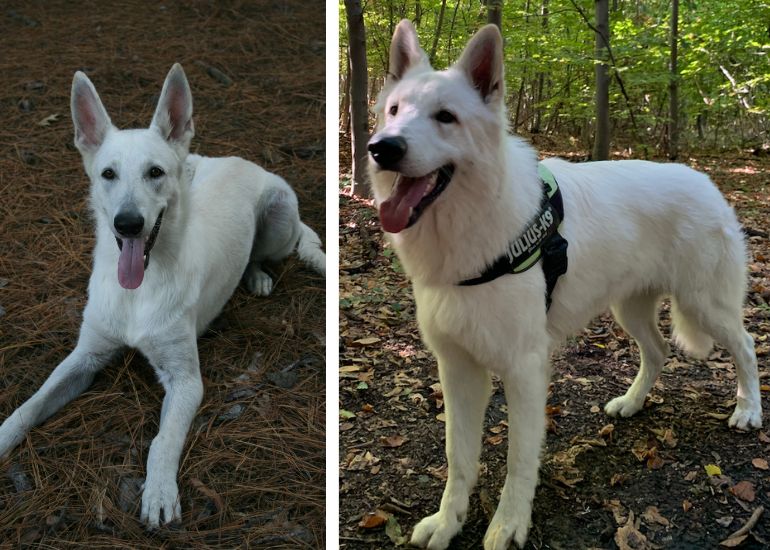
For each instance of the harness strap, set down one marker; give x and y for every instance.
(540, 239)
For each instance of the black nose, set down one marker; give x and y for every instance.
(388, 151)
(129, 224)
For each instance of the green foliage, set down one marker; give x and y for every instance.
(724, 70)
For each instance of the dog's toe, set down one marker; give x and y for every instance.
(258, 282)
(160, 503)
(746, 417)
(506, 528)
(436, 531)
(623, 406)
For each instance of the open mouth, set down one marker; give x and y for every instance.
(411, 196)
(135, 256)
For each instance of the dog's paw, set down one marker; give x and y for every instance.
(257, 281)
(746, 416)
(503, 530)
(436, 531)
(160, 503)
(11, 434)
(623, 406)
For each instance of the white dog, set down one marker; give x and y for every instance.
(454, 192)
(174, 234)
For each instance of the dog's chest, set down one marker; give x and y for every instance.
(486, 321)
(135, 318)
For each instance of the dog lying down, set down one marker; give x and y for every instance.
(455, 193)
(175, 233)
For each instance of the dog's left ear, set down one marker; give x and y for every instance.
(482, 61)
(173, 115)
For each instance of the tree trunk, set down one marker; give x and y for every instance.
(540, 77)
(495, 12)
(673, 86)
(601, 149)
(439, 23)
(359, 102)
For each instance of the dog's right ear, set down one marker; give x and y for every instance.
(405, 50)
(88, 115)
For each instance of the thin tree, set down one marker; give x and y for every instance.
(602, 137)
(359, 101)
(673, 86)
(495, 12)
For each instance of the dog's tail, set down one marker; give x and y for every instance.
(688, 335)
(309, 249)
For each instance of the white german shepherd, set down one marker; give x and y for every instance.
(454, 190)
(175, 233)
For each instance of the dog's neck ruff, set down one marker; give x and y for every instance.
(540, 239)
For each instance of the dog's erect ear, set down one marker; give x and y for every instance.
(405, 50)
(482, 61)
(88, 115)
(173, 115)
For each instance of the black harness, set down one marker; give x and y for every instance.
(541, 239)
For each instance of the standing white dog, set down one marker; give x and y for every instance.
(174, 234)
(454, 191)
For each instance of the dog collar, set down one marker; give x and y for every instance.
(540, 239)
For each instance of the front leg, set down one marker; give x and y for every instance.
(176, 363)
(526, 392)
(466, 388)
(66, 382)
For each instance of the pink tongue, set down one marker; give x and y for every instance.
(407, 193)
(131, 263)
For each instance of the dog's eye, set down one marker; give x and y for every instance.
(445, 117)
(393, 110)
(156, 172)
(109, 174)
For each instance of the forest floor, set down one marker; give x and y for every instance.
(673, 476)
(252, 472)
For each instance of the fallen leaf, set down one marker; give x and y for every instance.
(367, 341)
(629, 537)
(392, 441)
(372, 520)
(595, 409)
(653, 515)
(441, 417)
(494, 439)
(691, 475)
(763, 437)
(744, 490)
(733, 542)
(607, 430)
(686, 505)
(347, 414)
(725, 521)
(713, 470)
(760, 464)
(617, 509)
(393, 531)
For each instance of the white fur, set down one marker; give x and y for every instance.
(637, 231)
(223, 218)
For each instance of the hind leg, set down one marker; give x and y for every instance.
(276, 236)
(638, 317)
(724, 323)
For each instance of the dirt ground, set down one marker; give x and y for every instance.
(630, 483)
(252, 471)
